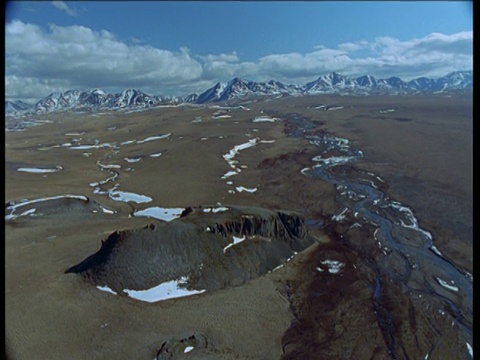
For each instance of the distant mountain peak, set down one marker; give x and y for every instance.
(238, 88)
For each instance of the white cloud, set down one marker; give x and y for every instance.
(459, 43)
(298, 65)
(64, 7)
(433, 55)
(350, 47)
(40, 61)
(29, 89)
(228, 58)
(85, 58)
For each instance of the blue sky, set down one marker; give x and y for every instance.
(182, 47)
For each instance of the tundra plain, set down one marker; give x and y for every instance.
(339, 290)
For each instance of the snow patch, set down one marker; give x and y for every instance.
(167, 290)
(129, 197)
(165, 214)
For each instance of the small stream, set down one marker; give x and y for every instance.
(410, 256)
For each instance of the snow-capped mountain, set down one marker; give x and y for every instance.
(132, 97)
(240, 88)
(454, 81)
(329, 82)
(367, 84)
(192, 98)
(237, 88)
(90, 100)
(13, 107)
(336, 83)
(366, 81)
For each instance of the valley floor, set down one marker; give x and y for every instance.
(357, 290)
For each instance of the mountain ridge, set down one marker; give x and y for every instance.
(237, 88)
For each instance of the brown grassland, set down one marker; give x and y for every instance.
(422, 151)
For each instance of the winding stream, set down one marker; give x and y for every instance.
(410, 256)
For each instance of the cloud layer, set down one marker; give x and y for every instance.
(61, 5)
(40, 61)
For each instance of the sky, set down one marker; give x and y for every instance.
(182, 47)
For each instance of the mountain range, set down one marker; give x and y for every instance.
(237, 88)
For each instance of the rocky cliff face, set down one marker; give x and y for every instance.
(209, 250)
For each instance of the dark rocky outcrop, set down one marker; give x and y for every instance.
(63, 208)
(198, 246)
(175, 348)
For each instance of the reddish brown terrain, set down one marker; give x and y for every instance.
(316, 227)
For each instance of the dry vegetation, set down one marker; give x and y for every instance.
(422, 151)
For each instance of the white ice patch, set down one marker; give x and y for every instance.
(237, 148)
(14, 206)
(229, 158)
(188, 349)
(447, 285)
(111, 178)
(152, 138)
(215, 210)
(129, 197)
(132, 160)
(156, 155)
(236, 240)
(107, 289)
(127, 142)
(109, 166)
(334, 160)
(241, 188)
(28, 212)
(229, 173)
(165, 214)
(435, 250)
(48, 148)
(75, 133)
(39, 170)
(86, 147)
(341, 216)
(407, 212)
(107, 211)
(286, 261)
(267, 141)
(386, 111)
(470, 349)
(335, 108)
(304, 170)
(413, 221)
(333, 266)
(167, 290)
(264, 119)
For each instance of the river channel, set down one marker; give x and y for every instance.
(408, 254)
